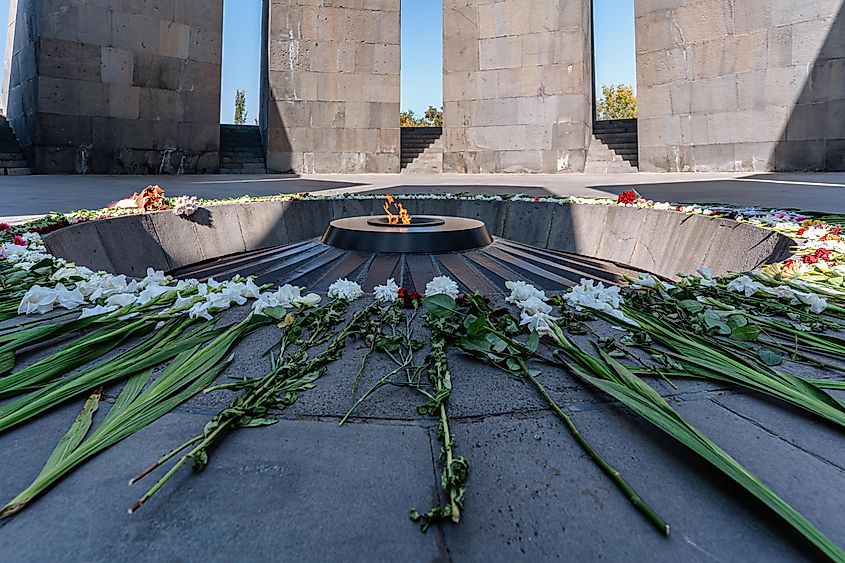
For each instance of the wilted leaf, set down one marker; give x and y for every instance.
(441, 306)
(770, 357)
(747, 333)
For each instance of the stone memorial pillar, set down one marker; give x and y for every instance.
(130, 87)
(331, 102)
(517, 85)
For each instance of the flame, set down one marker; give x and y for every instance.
(403, 217)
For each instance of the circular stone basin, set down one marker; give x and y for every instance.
(425, 234)
(418, 221)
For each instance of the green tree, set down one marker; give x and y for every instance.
(240, 107)
(434, 117)
(617, 102)
(408, 119)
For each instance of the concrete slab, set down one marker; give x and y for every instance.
(33, 195)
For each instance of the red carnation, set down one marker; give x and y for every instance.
(628, 197)
(824, 254)
(5, 227)
(19, 240)
(409, 298)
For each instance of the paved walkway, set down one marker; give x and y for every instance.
(33, 195)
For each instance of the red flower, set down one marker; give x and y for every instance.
(822, 254)
(801, 231)
(19, 240)
(628, 197)
(5, 227)
(837, 230)
(535, 199)
(409, 298)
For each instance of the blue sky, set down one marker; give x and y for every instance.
(422, 50)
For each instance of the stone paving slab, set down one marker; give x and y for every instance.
(307, 489)
(34, 195)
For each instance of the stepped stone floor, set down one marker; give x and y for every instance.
(308, 490)
(27, 196)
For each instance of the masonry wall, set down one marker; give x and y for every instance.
(19, 95)
(516, 85)
(333, 86)
(753, 85)
(125, 87)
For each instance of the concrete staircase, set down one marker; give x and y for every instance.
(12, 160)
(613, 148)
(241, 150)
(422, 150)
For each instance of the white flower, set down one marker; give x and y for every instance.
(120, 299)
(522, 291)
(264, 301)
(442, 285)
(533, 305)
(387, 293)
(68, 299)
(345, 289)
(182, 302)
(250, 290)
(308, 301)
(200, 310)
(155, 277)
(746, 285)
(783, 292)
(151, 292)
(98, 310)
(707, 277)
(645, 281)
(37, 301)
(185, 205)
(816, 302)
(286, 296)
(65, 273)
(182, 285)
(539, 321)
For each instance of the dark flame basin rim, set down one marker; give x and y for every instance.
(416, 221)
(454, 234)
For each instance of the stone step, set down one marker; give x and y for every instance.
(13, 163)
(616, 137)
(609, 168)
(22, 171)
(243, 171)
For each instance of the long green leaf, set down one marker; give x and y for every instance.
(617, 381)
(184, 377)
(78, 430)
(78, 353)
(703, 360)
(149, 353)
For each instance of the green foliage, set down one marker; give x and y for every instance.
(617, 102)
(433, 117)
(240, 107)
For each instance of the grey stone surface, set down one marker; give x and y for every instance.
(753, 85)
(645, 239)
(331, 90)
(514, 73)
(307, 489)
(115, 87)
